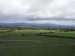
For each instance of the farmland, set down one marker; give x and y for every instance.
(36, 42)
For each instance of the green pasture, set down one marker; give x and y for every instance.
(67, 34)
(20, 32)
(2, 31)
(39, 51)
(43, 45)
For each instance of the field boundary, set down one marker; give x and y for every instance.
(16, 41)
(39, 45)
(55, 36)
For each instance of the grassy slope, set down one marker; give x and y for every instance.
(20, 32)
(49, 50)
(39, 51)
(67, 34)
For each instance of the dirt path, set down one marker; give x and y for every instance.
(16, 41)
(38, 45)
(19, 41)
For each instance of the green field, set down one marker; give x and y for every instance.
(40, 46)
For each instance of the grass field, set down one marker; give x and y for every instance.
(41, 45)
(66, 34)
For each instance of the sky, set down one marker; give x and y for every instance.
(61, 12)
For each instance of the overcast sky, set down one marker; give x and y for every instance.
(38, 11)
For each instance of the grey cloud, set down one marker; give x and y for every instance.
(37, 11)
(39, 8)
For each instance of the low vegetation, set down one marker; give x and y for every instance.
(28, 41)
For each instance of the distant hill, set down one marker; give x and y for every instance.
(28, 24)
(24, 24)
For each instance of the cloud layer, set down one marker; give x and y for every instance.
(54, 11)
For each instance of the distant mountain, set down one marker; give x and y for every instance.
(13, 24)
(28, 24)
(24, 24)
